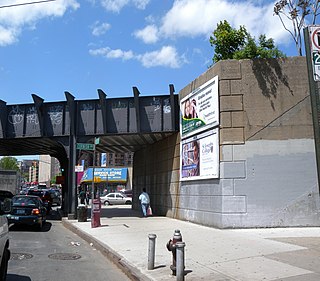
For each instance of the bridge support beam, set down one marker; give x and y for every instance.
(71, 175)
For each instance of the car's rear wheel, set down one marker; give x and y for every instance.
(128, 202)
(4, 264)
(39, 226)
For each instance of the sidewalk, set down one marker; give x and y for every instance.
(287, 254)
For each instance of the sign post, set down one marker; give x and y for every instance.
(95, 202)
(312, 47)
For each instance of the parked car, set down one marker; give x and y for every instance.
(5, 200)
(115, 198)
(5, 194)
(27, 209)
(56, 196)
(4, 244)
(41, 186)
(24, 191)
(45, 196)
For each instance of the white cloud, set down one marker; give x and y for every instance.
(189, 18)
(100, 28)
(12, 20)
(148, 35)
(116, 5)
(8, 36)
(167, 56)
(141, 4)
(112, 54)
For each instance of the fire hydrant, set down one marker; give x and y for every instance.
(171, 246)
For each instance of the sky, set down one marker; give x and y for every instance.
(51, 47)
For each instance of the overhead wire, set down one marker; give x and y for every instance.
(27, 3)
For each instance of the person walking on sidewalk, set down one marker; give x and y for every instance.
(87, 197)
(144, 201)
(82, 196)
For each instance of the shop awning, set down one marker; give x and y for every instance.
(102, 174)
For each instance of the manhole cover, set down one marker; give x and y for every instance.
(20, 256)
(64, 256)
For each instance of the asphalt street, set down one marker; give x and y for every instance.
(55, 253)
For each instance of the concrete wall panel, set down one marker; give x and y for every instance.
(268, 174)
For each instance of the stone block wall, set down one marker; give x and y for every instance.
(267, 158)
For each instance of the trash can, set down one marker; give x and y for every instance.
(82, 213)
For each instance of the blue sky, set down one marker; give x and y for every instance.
(81, 46)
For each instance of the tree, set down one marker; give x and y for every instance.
(230, 43)
(9, 163)
(227, 41)
(299, 13)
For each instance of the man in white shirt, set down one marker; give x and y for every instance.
(145, 201)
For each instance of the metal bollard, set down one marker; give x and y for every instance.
(180, 261)
(151, 250)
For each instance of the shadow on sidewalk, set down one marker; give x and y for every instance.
(117, 211)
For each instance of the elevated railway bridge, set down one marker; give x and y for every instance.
(54, 128)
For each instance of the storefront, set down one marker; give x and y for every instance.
(105, 179)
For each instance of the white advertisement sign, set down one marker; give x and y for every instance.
(199, 156)
(103, 159)
(78, 168)
(200, 109)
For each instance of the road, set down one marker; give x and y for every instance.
(54, 254)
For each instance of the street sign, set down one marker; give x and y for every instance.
(314, 33)
(86, 146)
(78, 168)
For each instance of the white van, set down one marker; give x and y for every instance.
(4, 243)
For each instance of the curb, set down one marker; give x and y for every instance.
(132, 272)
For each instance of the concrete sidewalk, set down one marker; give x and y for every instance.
(288, 254)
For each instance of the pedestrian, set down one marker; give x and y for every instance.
(144, 201)
(82, 196)
(87, 197)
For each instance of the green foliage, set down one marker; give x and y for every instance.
(227, 41)
(230, 43)
(9, 163)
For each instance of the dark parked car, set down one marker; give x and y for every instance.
(27, 209)
(44, 195)
(5, 200)
(56, 196)
(4, 194)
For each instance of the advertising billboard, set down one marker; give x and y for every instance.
(199, 110)
(199, 156)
